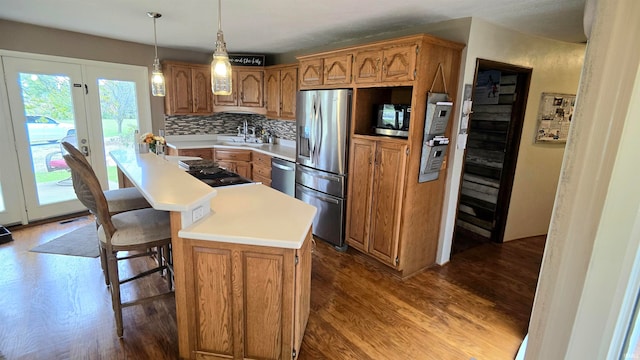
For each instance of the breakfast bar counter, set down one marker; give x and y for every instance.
(241, 259)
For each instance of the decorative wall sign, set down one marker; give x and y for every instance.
(246, 60)
(554, 117)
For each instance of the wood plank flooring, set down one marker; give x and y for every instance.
(477, 306)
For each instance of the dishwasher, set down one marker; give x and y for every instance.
(283, 176)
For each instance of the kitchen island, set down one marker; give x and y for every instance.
(242, 261)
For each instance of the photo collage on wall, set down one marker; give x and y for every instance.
(554, 117)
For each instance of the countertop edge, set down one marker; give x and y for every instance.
(185, 145)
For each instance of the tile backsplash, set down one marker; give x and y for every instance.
(226, 123)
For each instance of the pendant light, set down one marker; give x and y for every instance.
(157, 78)
(220, 65)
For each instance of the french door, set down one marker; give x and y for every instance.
(95, 106)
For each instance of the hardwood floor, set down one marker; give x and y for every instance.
(477, 306)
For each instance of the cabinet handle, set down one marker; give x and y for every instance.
(242, 96)
(377, 64)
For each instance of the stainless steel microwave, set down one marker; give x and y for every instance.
(393, 120)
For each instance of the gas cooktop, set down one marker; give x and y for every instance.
(218, 177)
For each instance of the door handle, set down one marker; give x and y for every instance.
(287, 168)
(318, 196)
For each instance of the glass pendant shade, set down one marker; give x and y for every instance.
(221, 79)
(157, 80)
(221, 83)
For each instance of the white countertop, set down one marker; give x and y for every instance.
(285, 150)
(254, 214)
(251, 214)
(161, 181)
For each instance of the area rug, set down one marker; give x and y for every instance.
(82, 241)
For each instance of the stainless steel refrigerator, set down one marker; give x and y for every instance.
(322, 120)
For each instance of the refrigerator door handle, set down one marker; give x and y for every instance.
(320, 132)
(318, 196)
(312, 127)
(319, 175)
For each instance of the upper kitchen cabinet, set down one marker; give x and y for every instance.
(395, 63)
(247, 94)
(281, 85)
(188, 89)
(325, 71)
(311, 71)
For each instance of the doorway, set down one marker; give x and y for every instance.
(97, 107)
(499, 98)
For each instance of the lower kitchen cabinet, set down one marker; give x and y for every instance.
(261, 171)
(241, 301)
(376, 189)
(237, 161)
(205, 153)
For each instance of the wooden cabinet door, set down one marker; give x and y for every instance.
(289, 89)
(201, 90)
(243, 169)
(388, 190)
(272, 93)
(212, 336)
(250, 87)
(337, 70)
(302, 293)
(360, 191)
(179, 93)
(399, 63)
(367, 67)
(231, 99)
(229, 165)
(203, 153)
(243, 302)
(310, 73)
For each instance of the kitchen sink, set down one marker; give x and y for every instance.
(242, 143)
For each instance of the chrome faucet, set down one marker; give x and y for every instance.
(245, 128)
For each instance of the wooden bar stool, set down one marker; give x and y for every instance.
(134, 231)
(119, 200)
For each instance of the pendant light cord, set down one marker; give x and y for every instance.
(219, 16)
(155, 37)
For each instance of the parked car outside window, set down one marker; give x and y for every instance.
(45, 129)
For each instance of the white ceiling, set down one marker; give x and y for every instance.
(280, 26)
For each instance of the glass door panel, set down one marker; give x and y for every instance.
(47, 107)
(97, 107)
(12, 208)
(121, 106)
(119, 114)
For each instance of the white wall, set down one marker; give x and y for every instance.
(591, 267)
(556, 68)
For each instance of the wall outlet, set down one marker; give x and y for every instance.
(197, 213)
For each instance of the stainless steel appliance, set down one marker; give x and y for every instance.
(283, 176)
(322, 120)
(215, 176)
(393, 120)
